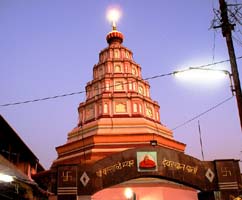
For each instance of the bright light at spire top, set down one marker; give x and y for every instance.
(113, 15)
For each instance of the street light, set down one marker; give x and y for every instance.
(188, 73)
(208, 74)
(129, 194)
(6, 178)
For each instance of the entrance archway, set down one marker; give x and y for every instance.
(219, 176)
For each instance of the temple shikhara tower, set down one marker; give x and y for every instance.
(120, 142)
(118, 113)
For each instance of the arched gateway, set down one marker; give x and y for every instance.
(119, 137)
(219, 179)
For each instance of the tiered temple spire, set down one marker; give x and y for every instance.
(118, 112)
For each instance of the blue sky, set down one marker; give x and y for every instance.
(49, 48)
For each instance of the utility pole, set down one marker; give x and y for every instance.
(227, 28)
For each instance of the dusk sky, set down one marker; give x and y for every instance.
(49, 48)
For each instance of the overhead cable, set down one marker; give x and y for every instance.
(203, 113)
(80, 92)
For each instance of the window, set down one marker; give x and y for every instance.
(117, 68)
(116, 54)
(134, 71)
(127, 54)
(88, 92)
(119, 85)
(105, 108)
(135, 107)
(100, 109)
(107, 86)
(95, 90)
(100, 71)
(89, 112)
(140, 108)
(134, 86)
(120, 108)
(141, 90)
(149, 112)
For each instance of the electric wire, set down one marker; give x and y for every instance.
(42, 99)
(233, 18)
(201, 114)
(80, 92)
(237, 41)
(200, 138)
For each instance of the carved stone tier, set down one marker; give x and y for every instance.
(106, 136)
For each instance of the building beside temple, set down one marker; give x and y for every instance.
(120, 142)
(20, 164)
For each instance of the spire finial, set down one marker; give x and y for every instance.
(113, 15)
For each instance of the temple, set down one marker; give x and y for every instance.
(118, 113)
(119, 142)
